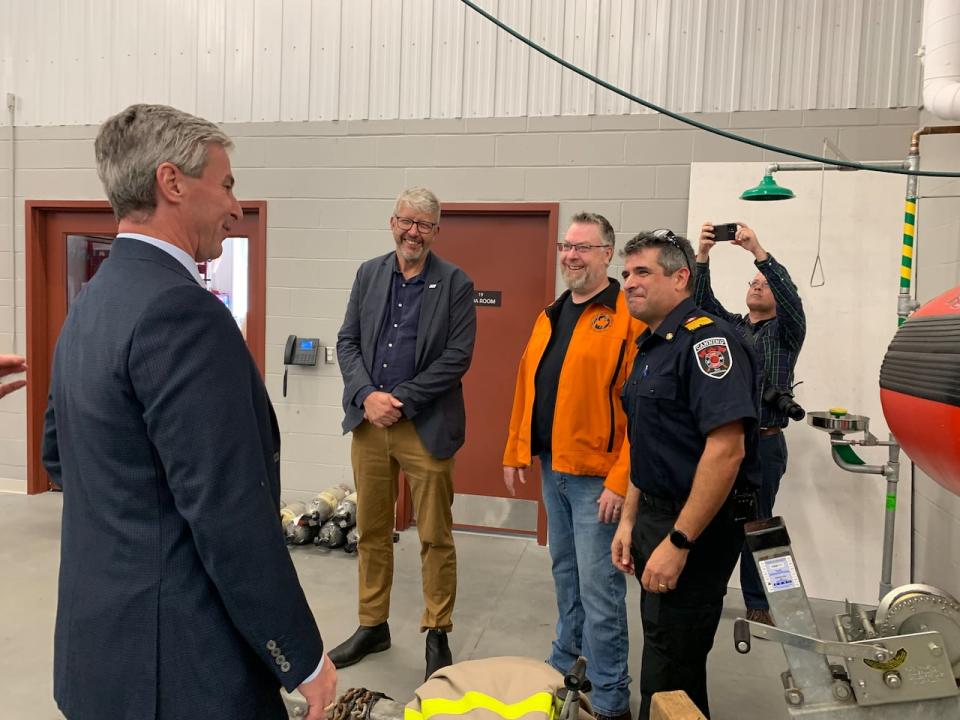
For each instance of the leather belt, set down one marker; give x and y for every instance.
(768, 431)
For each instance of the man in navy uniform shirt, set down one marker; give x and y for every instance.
(691, 404)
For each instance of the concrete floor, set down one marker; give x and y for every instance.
(505, 606)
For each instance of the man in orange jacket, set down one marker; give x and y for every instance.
(567, 411)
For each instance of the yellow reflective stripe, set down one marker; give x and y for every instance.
(907, 251)
(905, 272)
(908, 229)
(472, 700)
(911, 207)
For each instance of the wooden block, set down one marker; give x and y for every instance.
(674, 705)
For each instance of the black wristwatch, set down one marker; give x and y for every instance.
(679, 539)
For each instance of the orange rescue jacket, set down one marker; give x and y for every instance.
(589, 424)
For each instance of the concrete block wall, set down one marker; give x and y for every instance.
(936, 536)
(330, 190)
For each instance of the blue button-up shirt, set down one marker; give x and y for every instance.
(395, 358)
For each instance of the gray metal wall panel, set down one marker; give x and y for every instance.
(211, 54)
(385, 60)
(446, 87)
(479, 63)
(75, 61)
(580, 30)
(154, 57)
(238, 65)
(546, 29)
(416, 58)
(183, 52)
(49, 44)
(74, 48)
(513, 59)
(325, 67)
(267, 60)
(295, 65)
(355, 59)
(615, 56)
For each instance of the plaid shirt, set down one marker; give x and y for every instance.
(777, 341)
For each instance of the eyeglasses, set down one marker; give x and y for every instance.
(758, 284)
(581, 248)
(668, 235)
(423, 226)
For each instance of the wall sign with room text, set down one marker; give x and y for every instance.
(487, 298)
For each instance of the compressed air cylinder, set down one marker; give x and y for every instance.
(288, 513)
(296, 507)
(330, 535)
(346, 512)
(920, 388)
(353, 537)
(302, 530)
(325, 504)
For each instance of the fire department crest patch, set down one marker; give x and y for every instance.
(713, 357)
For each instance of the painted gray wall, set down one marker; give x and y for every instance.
(330, 189)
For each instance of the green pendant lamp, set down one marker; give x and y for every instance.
(767, 190)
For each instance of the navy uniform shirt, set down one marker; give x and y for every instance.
(692, 375)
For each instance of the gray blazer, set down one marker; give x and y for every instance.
(177, 595)
(433, 397)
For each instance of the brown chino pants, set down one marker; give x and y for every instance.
(378, 455)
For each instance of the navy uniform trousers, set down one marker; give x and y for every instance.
(679, 625)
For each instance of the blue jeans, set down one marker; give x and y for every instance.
(773, 464)
(591, 592)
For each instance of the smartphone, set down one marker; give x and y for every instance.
(726, 232)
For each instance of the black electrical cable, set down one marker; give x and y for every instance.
(696, 123)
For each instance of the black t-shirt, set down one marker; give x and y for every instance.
(563, 319)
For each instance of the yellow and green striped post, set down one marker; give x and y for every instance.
(906, 254)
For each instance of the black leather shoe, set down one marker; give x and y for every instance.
(438, 651)
(363, 642)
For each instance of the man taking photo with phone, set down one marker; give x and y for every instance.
(775, 325)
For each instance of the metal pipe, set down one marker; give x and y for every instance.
(905, 303)
(931, 130)
(850, 467)
(891, 471)
(794, 166)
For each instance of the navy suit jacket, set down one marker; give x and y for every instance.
(433, 397)
(177, 594)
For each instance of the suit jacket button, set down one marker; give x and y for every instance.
(271, 645)
(285, 667)
(275, 652)
(276, 457)
(280, 660)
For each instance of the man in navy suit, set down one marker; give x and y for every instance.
(177, 595)
(406, 342)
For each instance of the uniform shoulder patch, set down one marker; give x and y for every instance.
(697, 321)
(713, 357)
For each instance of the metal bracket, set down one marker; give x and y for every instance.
(867, 651)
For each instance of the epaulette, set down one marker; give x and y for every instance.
(697, 321)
